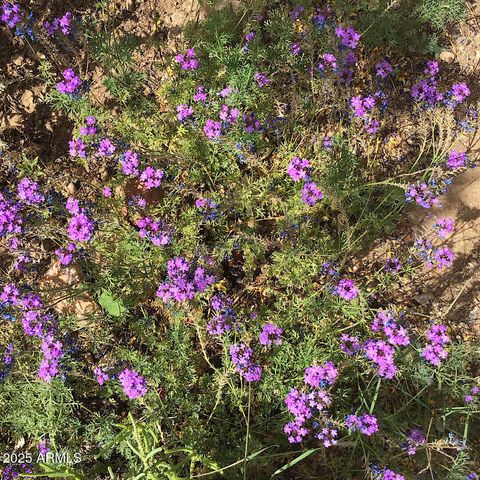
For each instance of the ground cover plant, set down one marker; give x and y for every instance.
(182, 288)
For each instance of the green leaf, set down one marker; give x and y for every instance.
(296, 460)
(114, 306)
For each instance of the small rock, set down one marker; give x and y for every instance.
(447, 56)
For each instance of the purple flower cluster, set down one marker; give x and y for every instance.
(304, 405)
(298, 169)
(224, 318)
(381, 353)
(386, 320)
(77, 148)
(363, 109)
(270, 334)
(207, 207)
(444, 227)
(11, 14)
(242, 357)
(346, 289)
(184, 281)
(392, 265)
(229, 115)
(320, 375)
(383, 68)
(365, 424)
(106, 148)
(64, 23)
(388, 474)
(151, 177)
(188, 61)
(349, 37)
(52, 353)
(434, 351)
(212, 129)
(70, 83)
(426, 90)
(415, 438)
(201, 95)
(424, 194)
(101, 376)
(154, 230)
(473, 392)
(80, 227)
(261, 79)
(8, 354)
(65, 255)
(89, 128)
(129, 164)
(184, 111)
(28, 192)
(459, 92)
(349, 344)
(36, 323)
(133, 384)
(252, 123)
(311, 194)
(10, 219)
(457, 160)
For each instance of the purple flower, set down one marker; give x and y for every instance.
(133, 384)
(381, 354)
(155, 230)
(224, 318)
(80, 228)
(320, 375)
(7, 355)
(151, 177)
(414, 440)
(460, 92)
(130, 164)
(107, 192)
(188, 61)
(65, 256)
(230, 116)
(424, 194)
(252, 123)
(296, 49)
(106, 148)
(456, 159)
(444, 226)
(71, 82)
(11, 14)
(212, 129)
(328, 436)
(242, 357)
(348, 36)
(77, 148)
(184, 111)
(444, 257)
(270, 334)
(29, 193)
(101, 376)
(184, 281)
(201, 95)
(72, 206)
(311, 194)
(43, 447)
(349, 344)
(385, 320)
(298, 169)
(296, 432)
(392, 265)
(434, 351)
(261, 79)
(365, 424)
(10, 220)
(346, 289)
(207, 207)
(225, 92)
(383, 68)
